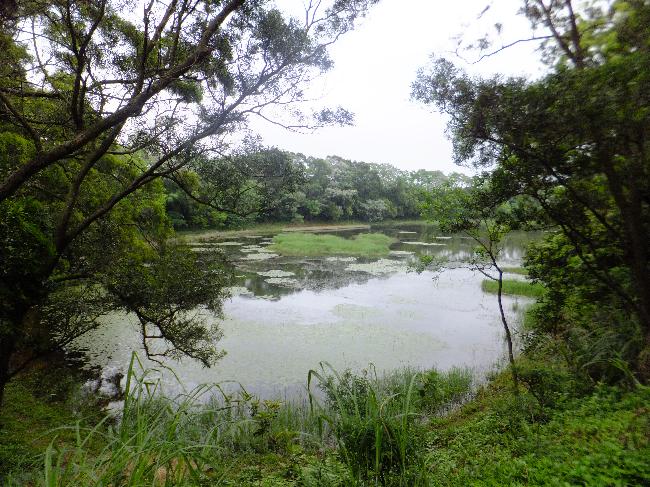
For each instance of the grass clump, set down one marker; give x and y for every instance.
(514, 287)
(378, 422)
(180, 441)
(309, 244)
(515, 270)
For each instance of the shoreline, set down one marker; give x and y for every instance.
(269, 228)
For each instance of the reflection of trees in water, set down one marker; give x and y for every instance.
(313, 275)
(318, 274)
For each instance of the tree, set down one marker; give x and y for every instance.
(469, 209)
(575, 142)
(99, 100)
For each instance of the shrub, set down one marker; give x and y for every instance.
(443, 390)
(375, 429)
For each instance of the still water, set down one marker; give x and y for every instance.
(287, 314)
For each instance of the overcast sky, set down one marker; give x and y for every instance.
(375, 66)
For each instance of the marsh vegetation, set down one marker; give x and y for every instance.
(299, 331)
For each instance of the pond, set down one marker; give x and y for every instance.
(287, 314)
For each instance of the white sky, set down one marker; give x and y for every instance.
(375, 66)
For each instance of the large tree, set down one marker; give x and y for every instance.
(101, 99)
(576, 142)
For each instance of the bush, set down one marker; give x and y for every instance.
(443, 390)
(375, 429)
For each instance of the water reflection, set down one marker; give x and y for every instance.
(411, 242)
(328, 309)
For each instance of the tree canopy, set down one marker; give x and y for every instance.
(573, 143)
(101, 101)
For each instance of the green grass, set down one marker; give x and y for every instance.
(357, 428)
(514, 287)
(515, 270)
(35, 403)
(309, 244)
(601, 439)
(406, 428)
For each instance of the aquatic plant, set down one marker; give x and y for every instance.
(276, 273)
(260, 256)
(376, 430)
(365, 244)
(514, 287)
(379, 267)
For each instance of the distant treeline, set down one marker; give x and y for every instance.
(278, 186)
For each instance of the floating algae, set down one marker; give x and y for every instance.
(341, 259)
(239, 291)
(229, 243)
(260, 256)
(251, 249)
(399, 253)
(282, 281)
(432, 244)
(377, 268)
(276, 273)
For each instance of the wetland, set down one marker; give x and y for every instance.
(289, 311)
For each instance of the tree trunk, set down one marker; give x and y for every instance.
(511, 355)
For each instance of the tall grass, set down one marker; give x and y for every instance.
(515, 270)
(186, 440)
(377, 421)
(365, 244)
(514, 287)
(373, 426)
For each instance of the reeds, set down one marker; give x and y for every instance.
(372, 424)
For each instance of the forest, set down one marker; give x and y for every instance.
(312, 189)
(183, 305)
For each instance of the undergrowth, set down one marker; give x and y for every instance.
(406, 428)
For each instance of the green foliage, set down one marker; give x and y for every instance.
(282, 186)
(443, 390)
(365, 244)
(164, 292)
(600, 339)
(32, 412)
(375, 429)
(566, 146)
(601, 439)
(514, 287)
(387, 431)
